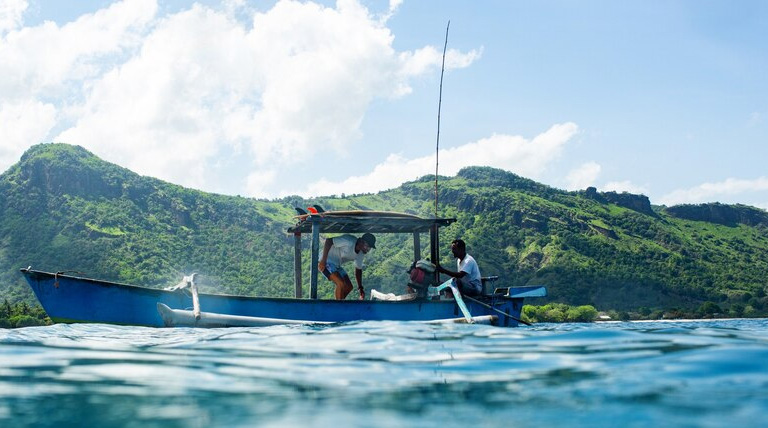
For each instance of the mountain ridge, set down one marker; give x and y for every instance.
(64, 208)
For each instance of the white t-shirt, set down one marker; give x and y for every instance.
(472, 278)
(343, 250)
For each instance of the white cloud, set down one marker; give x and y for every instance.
(11, 12)
(708, 192)
(586, 175)
(583, 176)
(393, 6)
(420, 60)
(259, 183)
(625, 186)
(46, 68)
(513, 153)
(39, 61)
(25, 121)
(163, 112)
(170, 96)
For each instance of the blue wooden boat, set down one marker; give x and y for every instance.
(69, 297)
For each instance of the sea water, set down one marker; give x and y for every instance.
(388, 374)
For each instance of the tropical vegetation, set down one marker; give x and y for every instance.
(64, 209)
(22, 314)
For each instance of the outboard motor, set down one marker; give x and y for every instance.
(422, 276)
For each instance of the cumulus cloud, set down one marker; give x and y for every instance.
(27, 120)
(393, 6)
(259, 181)
(626, 186)
(417, 62)
(583, 176)
(40, 61)
(164, 111)
(586, 175)
(708, 192)
(11, 12)
(513, 153)
(47, 70)
(169, 96)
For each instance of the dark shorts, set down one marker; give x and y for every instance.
(331, 268)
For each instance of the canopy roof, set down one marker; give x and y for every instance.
(366, 221)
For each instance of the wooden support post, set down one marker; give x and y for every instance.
(416, 247)
(315, 257)
(434, 245)
(297, 263)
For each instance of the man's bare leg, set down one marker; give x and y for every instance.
(340, 284)
(347, 288)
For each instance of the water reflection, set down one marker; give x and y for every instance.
(386, 374)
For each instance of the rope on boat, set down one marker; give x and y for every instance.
(61, 272)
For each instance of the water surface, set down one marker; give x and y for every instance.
(387, 374)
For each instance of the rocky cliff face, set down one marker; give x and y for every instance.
(728, 215)
(639, 203)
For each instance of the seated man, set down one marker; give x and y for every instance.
(467, 279)
(342, 249)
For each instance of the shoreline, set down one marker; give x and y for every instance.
(683, 320)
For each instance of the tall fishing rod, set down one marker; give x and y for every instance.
(434, 234)
(439, 106)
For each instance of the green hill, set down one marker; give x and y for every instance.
(62, 208)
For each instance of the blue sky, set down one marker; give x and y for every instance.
(267, 99)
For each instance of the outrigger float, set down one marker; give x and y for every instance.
(70, 298)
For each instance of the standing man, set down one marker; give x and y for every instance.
(467, 278)
(342, 249)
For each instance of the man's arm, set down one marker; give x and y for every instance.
(459, 274)
(324, 257)
(359, 278)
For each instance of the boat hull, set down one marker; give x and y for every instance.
(73, 299)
